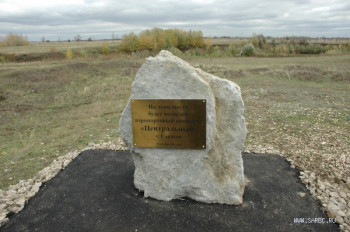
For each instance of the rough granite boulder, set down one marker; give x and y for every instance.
(211, 175)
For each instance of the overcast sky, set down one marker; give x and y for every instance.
(63, 19)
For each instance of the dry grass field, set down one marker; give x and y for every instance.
(297, 105)
(50, 108)
(46, 47)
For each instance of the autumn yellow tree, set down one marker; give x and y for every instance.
(146, 41)
(69, 54)
(129, 42)
(170, 39)
(158, 39)
(14, 40)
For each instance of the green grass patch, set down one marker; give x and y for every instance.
(306, 114)
(50, 108)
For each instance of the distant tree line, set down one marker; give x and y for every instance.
(259, 45)
(299, 45)
(158, 39)
(193, 43)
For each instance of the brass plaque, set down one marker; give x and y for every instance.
(175, 123)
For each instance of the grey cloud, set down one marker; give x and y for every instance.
(220, 17)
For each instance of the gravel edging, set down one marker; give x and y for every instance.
(333, 195)
(331, 191)
(14, 199)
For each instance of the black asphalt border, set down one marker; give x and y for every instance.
(96, 193)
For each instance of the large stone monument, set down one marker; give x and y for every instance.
(212, 170)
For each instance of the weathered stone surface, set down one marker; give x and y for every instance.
(3, 219)
(213, 175)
